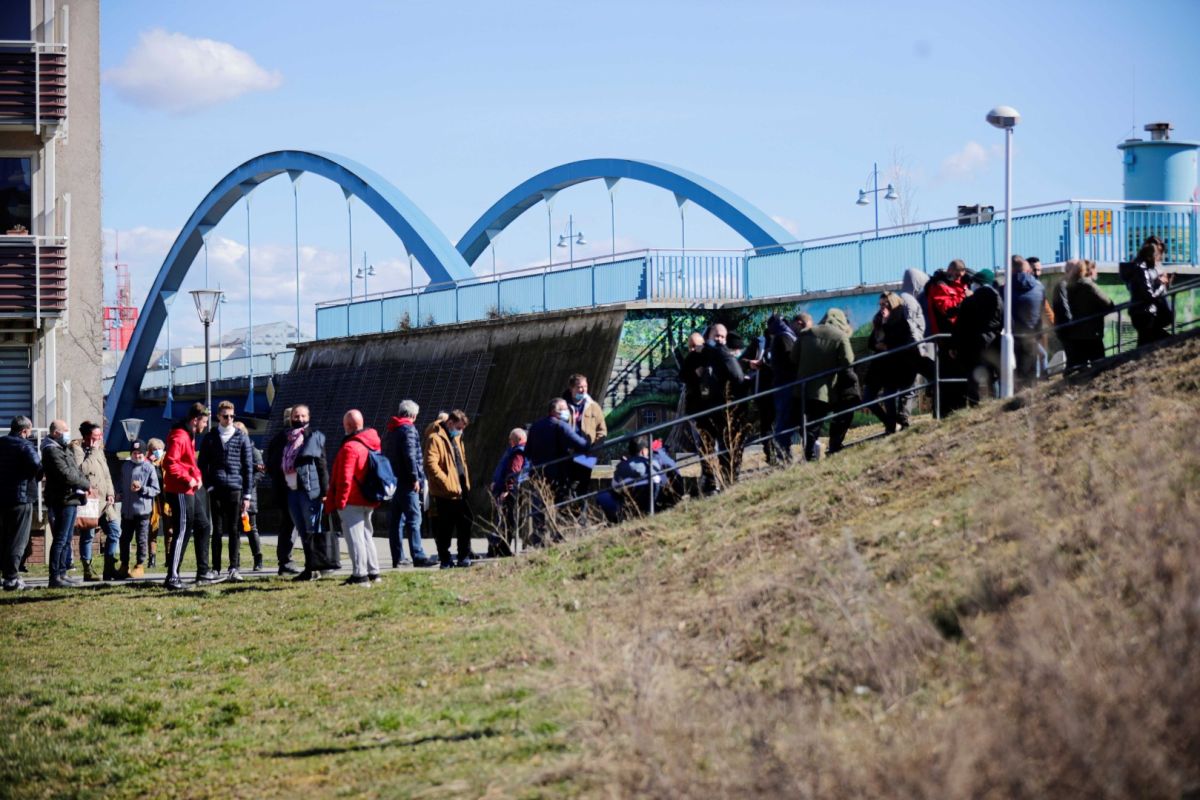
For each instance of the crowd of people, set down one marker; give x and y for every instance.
(201, 485)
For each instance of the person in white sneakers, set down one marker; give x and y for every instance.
(346, 497)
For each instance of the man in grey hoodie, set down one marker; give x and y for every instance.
(139, 487)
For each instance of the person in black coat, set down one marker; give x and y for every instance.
(66, 489)
(712, 377)
(976, 336)
(226, 461)
(22, 469)
(1151, 315)
(402, 446)
(286, 531)
(306, 475)
(550, 441)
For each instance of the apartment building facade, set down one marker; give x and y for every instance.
(51, 274)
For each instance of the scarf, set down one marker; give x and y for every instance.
(292, 451)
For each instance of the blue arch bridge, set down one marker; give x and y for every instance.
(541, 324)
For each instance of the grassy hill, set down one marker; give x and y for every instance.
(1004, 604)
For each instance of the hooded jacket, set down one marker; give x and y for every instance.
(66, 484)
(179, 464)
(440, 466)
(1028, 298)
(943, 296)
(402, 446)
(822, 348)
(21, 467)
(349, 467)
(138, 503)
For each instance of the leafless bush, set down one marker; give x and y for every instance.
(1075, 671)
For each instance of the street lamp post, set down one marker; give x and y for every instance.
(572, 238)
(364, 272)
(206, 307)
(864, 195)
(1006, 118)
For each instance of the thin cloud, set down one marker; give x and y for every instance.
(966, 162)
(788, 224)
(175, 73)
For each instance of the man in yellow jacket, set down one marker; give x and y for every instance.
(449, 483)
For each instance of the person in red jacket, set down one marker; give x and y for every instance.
(187, 511)
(345, 497)
(946, 290)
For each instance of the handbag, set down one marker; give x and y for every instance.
(88, 515)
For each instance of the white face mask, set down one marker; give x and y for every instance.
(564, 415)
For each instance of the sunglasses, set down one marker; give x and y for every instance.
(225, 416)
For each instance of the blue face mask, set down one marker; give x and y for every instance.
(159, 453)
(579, 396)
(711, 342)
(455, 433)
(564, 415)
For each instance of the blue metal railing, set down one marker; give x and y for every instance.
(263, 363)
(1103, 230)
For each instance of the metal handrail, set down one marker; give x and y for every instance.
(689, 418)
(525, 272)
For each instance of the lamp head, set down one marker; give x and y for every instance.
(206, 303)
(863, 200)
(562, 241)
(580, 240)
(1003, 117)
(891, 193)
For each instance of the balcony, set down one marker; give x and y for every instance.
(33, 85)
(33, 277)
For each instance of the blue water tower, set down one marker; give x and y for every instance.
(1161, 169)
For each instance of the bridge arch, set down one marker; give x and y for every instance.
(420, 236)
(745, 219)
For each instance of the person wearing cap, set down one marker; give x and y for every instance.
(22, 469)
(88, 451)
(139, 488)
(975, 340)
(155, 450)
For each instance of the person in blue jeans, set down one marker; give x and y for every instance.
(66, 488)
(402, 446)
(88, 451)
(306, 475)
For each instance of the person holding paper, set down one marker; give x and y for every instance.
(552, 439)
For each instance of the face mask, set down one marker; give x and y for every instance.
(580, 396)
(298, 424)
(564, 415)
(455, 433)
(158, 454)
(711, 342)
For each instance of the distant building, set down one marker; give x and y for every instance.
(51, 279)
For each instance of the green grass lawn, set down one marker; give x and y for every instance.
(998, 605)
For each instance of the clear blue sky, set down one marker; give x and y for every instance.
(785, 103)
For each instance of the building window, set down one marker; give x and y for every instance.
(14, 21)
(16, 195)
(647, 417)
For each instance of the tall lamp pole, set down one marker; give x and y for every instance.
(1006, 118)
(865, 195)
(572, 238)
(206, 307)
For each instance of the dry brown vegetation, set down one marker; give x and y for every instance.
(1003, 605)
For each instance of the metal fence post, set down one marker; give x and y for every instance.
(861, 277)
(937, 380)
(593, 283)
(925, 249)
(802, 268)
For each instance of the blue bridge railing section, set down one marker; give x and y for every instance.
(263, 363)
(1103, 230)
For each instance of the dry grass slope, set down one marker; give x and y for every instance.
(1006, 605)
